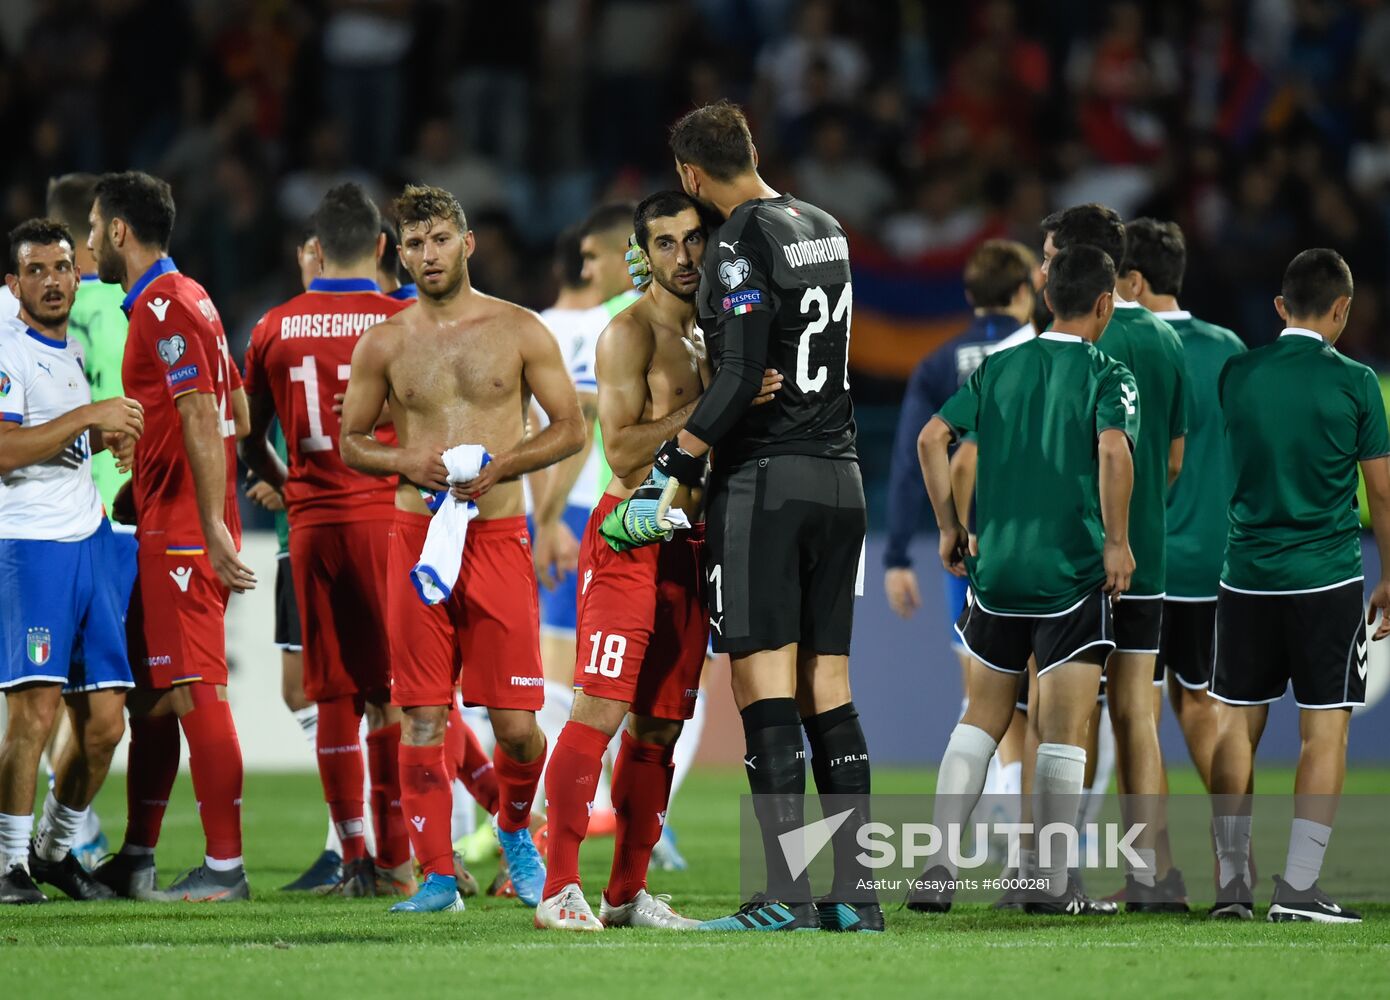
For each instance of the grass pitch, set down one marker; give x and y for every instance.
(282, 946)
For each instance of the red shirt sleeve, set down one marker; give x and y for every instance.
(255, 376)
(173, 346)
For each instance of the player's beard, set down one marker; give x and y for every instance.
(110, 264)
(48, 313)
(668, 282)
(453, 281)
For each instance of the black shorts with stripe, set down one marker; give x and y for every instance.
(1315, 641)
(1083, 633)
(1188, 643)
(287, 634)
(784, 539)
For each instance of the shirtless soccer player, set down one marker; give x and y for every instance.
(458, 367)
(641, 618)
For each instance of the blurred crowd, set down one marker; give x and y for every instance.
(1262, 126)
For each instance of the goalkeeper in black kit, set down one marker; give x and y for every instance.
(785, 503)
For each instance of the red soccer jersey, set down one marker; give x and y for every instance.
(301, 353)
(175, 345)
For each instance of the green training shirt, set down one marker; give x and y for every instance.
(1197, 503)
(1299, 417)
(1149, 348)
(99, 325)
(1037, 411)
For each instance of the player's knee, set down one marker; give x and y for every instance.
(660, 732)
(101, 734)
(423, 728)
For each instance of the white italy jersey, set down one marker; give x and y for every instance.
(40, 380)
(578, 330)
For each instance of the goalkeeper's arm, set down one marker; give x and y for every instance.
(735, 385)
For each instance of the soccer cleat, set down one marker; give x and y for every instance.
(203, 885)
(935, 893)
(567, 910)
(644, 910)
(320, 877)
(478, 846)
(17, 888)
(358, 880)
(761, 913)
(1234, 901)
(665, 856)
(1071, 903)
(1140, 898)
(131, 876)
(89, 855)
(467, 882)
(857, 918)
(1310, 905)
(524, 863)
(68, 875)
(398, 881)
(438, 894)
(1174, 889)
(1013, 899)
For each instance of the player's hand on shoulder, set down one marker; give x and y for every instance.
(904, 596)
(425, 468)
(1380, 603)
(226, 561)
(118, 415)
(1119, 567)
(638, 267)
(772, 385)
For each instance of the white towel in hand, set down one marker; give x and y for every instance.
(437, 571)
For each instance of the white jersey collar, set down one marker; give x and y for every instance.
(1298, 331)
(1173, 314)
(1126, 304)
(1065, 338)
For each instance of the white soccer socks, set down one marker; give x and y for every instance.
(960, 780)
(1056, 790)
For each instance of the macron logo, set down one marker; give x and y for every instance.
(800, 847)
(181, 575)
(418, 822)
(159, 307)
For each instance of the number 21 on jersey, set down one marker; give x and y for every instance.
(816, 305)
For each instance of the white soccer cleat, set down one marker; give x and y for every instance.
(645, 910)
(567, 910)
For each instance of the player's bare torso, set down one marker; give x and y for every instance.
(458, 382)
(677, 372)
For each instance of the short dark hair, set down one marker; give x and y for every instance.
(1158, 251)
(70, 200)
(40, 232)
(390, 262)
(347, 223)
(607, 217)
(142, 202)
(995, 270)
(423, 203)
(1098, 225)
(661, 205)
(1313, 281)
(715, 138)
(568, 261)
(1077, 276)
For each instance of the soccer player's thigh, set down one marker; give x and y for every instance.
(340, 573)
(497, 617)
(832, 555)
(37, 625)
(421, 638)
(1001, 643)
(1188, 643)
(753, 559)
(289, 636)
(669, 682)
(1326, 632)
(1084, 634)
(1253, 657)
(176, 629)
(616, 613)
(104, 662)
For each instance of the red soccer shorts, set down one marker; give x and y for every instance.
(340, 584)
(643, 629)
(176, 626)
(486, 635)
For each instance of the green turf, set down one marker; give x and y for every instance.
(282, 946)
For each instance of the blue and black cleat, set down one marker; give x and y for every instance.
(854, 918)
(762, 913)
(325, 873)
(438, 894)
